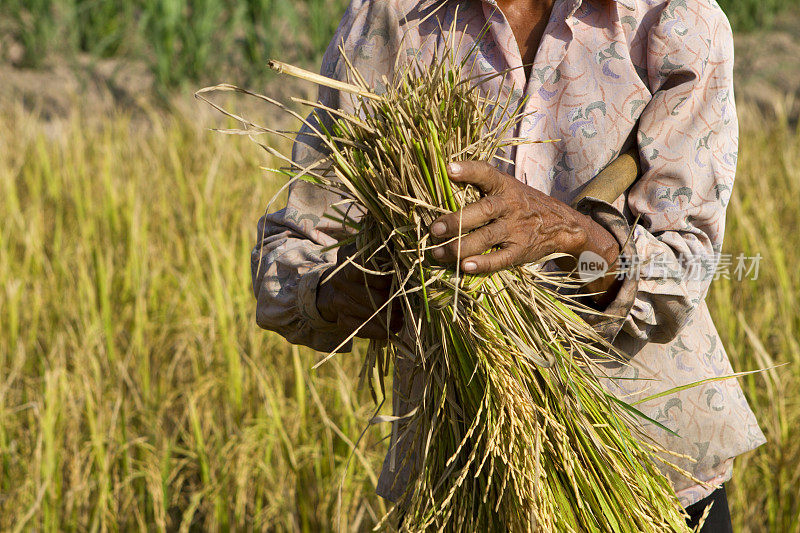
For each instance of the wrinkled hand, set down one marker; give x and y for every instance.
(352, 296)
(518, 223)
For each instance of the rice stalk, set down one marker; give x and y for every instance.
(512, 429)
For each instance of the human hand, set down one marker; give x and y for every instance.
(352, 296)
(516, 224)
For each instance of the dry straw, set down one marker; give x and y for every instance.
(513, 430)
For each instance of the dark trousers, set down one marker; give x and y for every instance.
(719, 519)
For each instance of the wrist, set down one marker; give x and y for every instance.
(598, 240)
(601, 242)
(592, 237)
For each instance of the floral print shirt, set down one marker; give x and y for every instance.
(608, 75)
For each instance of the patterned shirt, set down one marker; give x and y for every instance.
(608, 75)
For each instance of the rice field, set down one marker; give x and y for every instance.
(137, 393)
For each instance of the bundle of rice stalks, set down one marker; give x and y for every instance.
(513, 430)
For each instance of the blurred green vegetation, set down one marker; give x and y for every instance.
(201, 40)
(180, 40)
(749, 15)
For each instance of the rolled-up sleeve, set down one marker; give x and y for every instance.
(671, 232)
(287, 264)
(296, 244)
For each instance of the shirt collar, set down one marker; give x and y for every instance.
(569, 9)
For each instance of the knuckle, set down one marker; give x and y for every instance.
(499, 178)
(503, 230)
(451, 249)
(485, 167)
(509, 257)
(498, 260)
(490, 234)
(490, 206)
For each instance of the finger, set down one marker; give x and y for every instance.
(479, 173)
(382, 282)
(491, 262)
(355, 275)
(470, 217)
(390, 314)
(359, 304)
(369, 330)
(475, 243)
(350, 271)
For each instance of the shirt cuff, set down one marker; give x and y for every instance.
(610, 322)
(307, 299)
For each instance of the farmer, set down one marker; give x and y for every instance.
(601, 76)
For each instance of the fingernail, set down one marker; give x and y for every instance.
(470, 266)
(439, 228)
(453, 168)
(438, 253)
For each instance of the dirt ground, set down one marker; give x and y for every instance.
(767, 77)
(767, 67)
(99, 87)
